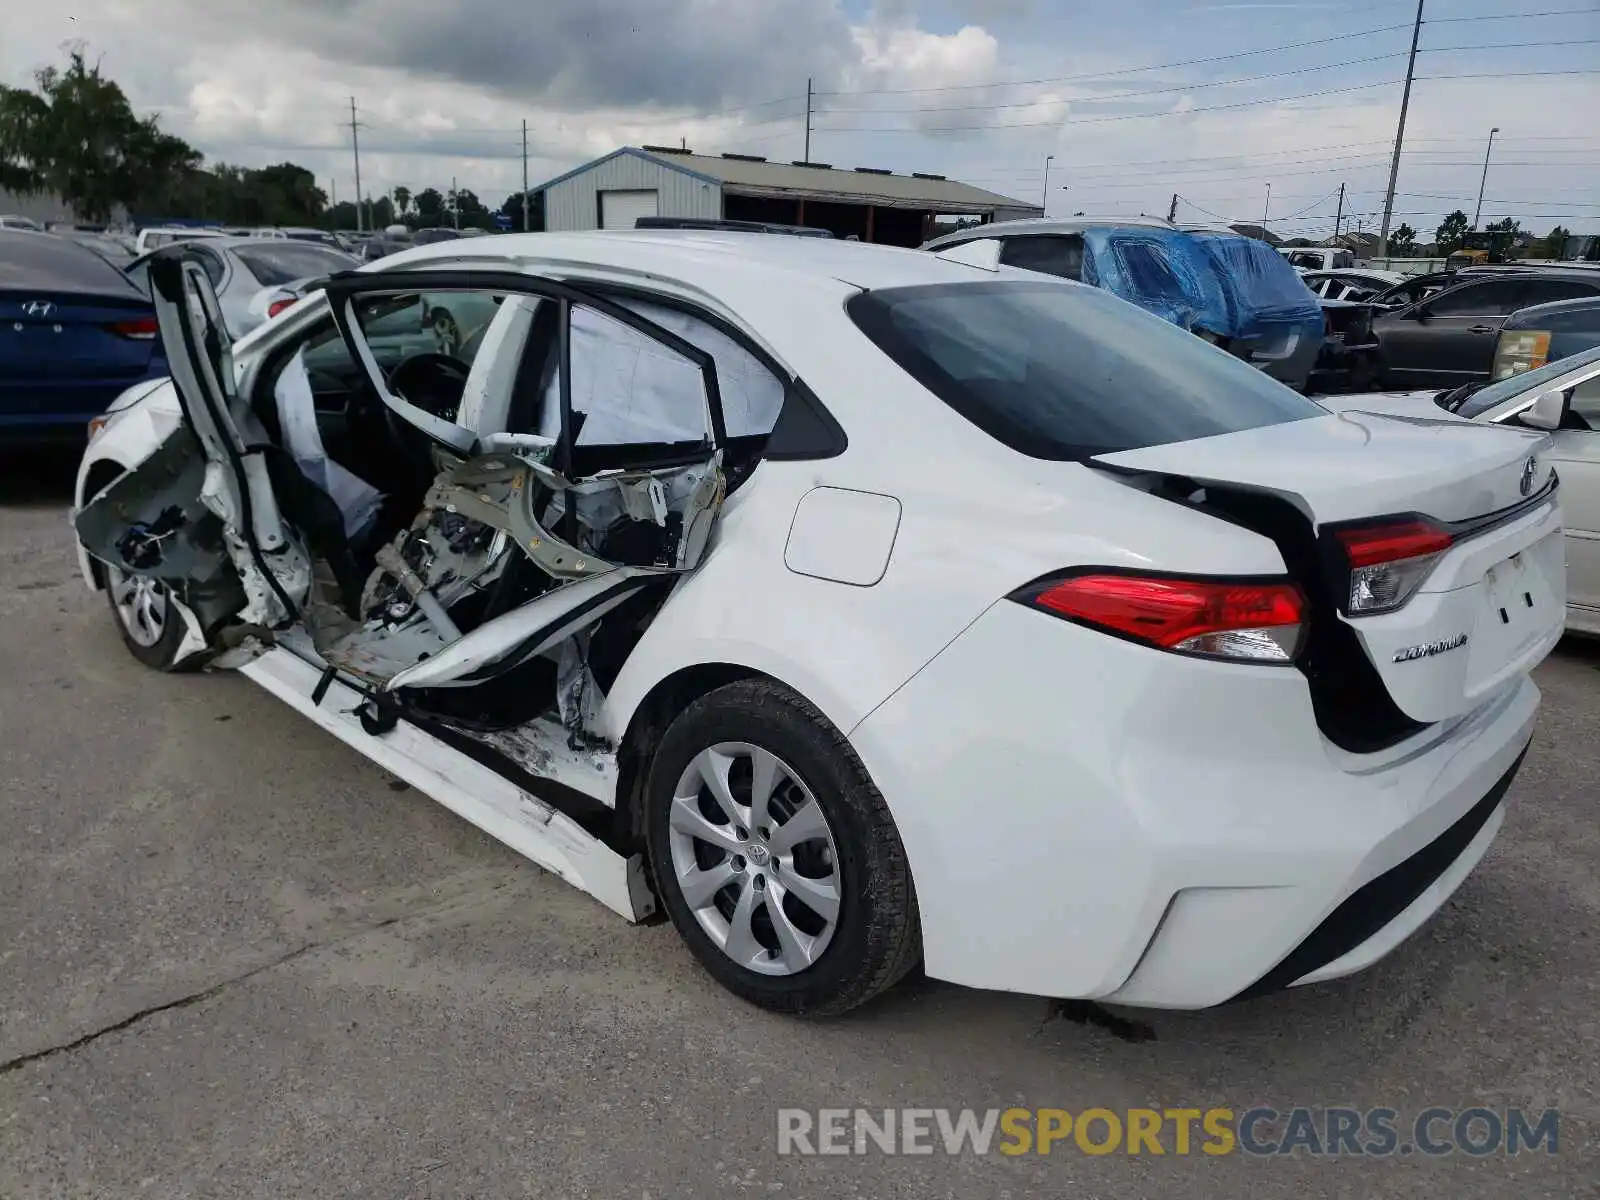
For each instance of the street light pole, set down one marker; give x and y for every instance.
(1044, 200)
(1478, 212)
(1264, 209)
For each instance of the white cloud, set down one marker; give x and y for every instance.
(444, 85)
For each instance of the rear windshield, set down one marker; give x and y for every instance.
(288, 261)
(1064, 371)
(46, 263)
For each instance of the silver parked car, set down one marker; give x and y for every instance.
(248, 274)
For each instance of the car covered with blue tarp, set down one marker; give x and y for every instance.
(1234, 291)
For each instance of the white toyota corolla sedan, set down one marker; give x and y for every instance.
(855, 606)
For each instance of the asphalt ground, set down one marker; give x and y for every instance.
(238, 960)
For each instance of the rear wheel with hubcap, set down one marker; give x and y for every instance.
(775, 855)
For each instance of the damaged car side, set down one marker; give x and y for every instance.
(854, 606)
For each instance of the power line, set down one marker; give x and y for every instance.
(1189, 62)
(1186, 62)
(1186, 87)
(1214, 83)
(1359, 87)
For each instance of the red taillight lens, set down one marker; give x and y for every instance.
(1257, 622)
(1373, 544)
(1389, 561)
(140, 329)
(277, 306)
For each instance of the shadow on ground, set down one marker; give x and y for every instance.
(41, 478)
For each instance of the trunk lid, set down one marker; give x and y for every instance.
(59, 338)
(1493, 603)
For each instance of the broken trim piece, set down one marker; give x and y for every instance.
(511, 639)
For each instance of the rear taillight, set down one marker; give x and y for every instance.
(1244, 621)
(1389, 561)
(140, 329)
(277, 306)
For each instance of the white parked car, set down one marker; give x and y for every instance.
(1317, 258)
(1354, 284)
(1563, 396)
(155, 236)
(856, 606)
(254, 278)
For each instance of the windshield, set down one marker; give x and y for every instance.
(288, 261)
(1486, 398)
(1062, 371)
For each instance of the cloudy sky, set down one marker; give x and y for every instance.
(1135, 99)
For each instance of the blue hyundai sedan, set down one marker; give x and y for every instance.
(74, 334)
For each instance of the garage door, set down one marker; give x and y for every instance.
(619, 210)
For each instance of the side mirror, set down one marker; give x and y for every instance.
(1547, 410)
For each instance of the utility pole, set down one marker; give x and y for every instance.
(524, 176)
(1478, 212)
(1172, 209)
(1264, 209)
(455, 201)
(355, 146)
(807, 155)
(1044, 199)
(1399, 135)
(1338, 215)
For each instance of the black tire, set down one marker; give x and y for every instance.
(162, 655)
(877, 938)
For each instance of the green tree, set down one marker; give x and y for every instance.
(1403, 240)
(380, 213)
(471, 210)
(1555, 242)
(430, 208)
(75, 134)
(402, 201)
(513, 209)
(342, 215)
(1450, 232)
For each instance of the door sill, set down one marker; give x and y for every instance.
(509, 813)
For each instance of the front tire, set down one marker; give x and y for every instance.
(150, 624)
(775, 855)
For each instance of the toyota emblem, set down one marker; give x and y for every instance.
(39, 308)
(1530, 470)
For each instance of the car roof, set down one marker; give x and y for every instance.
(706, 259)
(1568, 276)
(1031, 226)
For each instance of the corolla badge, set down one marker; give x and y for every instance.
(39, 308)
(1429, 649)
(1530, 471)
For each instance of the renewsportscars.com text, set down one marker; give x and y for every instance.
(1259, 1131)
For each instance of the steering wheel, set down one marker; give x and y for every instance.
(434, 383)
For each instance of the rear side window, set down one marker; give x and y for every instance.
(1149, 273)
(1481, 299)
(1547, 291)
(1061, 372)
(1051, 254)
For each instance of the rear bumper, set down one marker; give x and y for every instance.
(1085, 817)
(46, 411)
